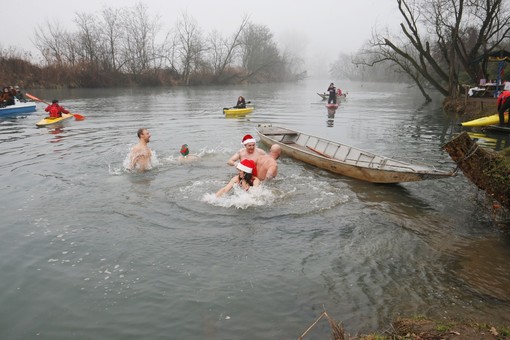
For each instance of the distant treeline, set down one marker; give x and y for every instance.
(125, 47)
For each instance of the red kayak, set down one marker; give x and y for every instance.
(332, 106)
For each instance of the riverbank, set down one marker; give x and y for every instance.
(473, 106)
(419, 328)
(422, 328)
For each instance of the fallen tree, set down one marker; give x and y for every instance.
(487, 169)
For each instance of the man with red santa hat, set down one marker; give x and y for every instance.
(250, 151)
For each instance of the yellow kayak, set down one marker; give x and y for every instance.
(484, 121)
(233, 111)
(47, 121)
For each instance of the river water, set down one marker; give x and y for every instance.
(90, 250)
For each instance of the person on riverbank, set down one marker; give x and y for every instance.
(332, 94)
(250, 151)
(267, 168)
(245, 178)
(141, 155)
(504, 104)
(55, 110)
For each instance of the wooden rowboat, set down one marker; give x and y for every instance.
(344, 159)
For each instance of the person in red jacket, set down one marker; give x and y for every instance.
(55, 110)
(504, 104)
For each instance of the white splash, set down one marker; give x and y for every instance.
(240, 199)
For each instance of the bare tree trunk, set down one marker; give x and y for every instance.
(485, 168)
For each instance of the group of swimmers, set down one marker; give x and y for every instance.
(9, 94)
(254, 165)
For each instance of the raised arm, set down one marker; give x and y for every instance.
(227, 187)
(232, 161)
(272, 172)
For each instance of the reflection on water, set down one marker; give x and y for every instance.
(331, 117)
(491, 139)
(483, 268)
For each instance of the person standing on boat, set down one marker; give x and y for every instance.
(267, 168)
(245, 178)
(55, 110)
(504, 104)
(141, 155)
(241, 103)
(250, 151)
(332, 94)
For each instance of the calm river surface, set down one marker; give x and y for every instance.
(92, 251)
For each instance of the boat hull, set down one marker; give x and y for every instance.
(233, 112)
(17, 108)
(325, 96)
(484, 121)
(346, 160)
(52, 121)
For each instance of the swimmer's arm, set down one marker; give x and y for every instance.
(271, 172)
(134, 158)
(227, 187)
(256, 182)
(232, 161)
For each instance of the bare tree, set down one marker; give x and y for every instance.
(440, 38)
(190, 46)
(260, 54)
(139, 42)
(49, 42)
(224, 51)
(88, 37)
(111, 37)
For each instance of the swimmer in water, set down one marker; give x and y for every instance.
(141, 154)
(244, 178)
(185, 156)
(250, 151)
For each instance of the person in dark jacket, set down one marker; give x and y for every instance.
(332, 94)
(6, 98)
(241, 103)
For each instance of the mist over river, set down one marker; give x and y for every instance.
(90, 250)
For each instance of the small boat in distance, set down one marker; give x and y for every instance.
(234, 111)
(18, 108)
(339, 97)
(344, 159)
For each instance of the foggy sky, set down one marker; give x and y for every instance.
(319, 29)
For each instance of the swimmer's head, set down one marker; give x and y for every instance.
(184, 150)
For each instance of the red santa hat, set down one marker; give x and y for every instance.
(246, 165)
(248, 139)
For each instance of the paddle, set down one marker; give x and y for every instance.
(75, 115)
